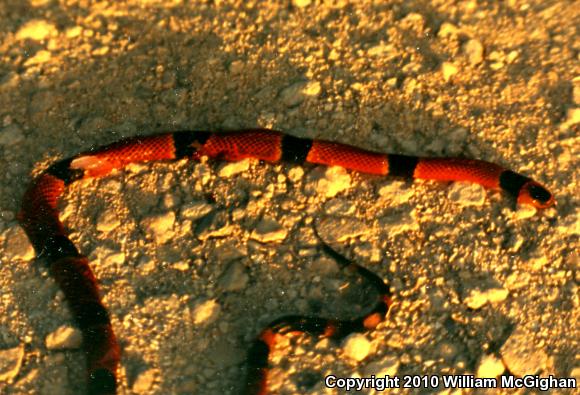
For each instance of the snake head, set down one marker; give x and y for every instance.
(535, 194)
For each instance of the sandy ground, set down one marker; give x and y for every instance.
(480, 288)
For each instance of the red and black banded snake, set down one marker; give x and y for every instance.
(70, 268)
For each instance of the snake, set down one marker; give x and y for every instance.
(39, 217)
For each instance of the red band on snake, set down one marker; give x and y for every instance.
(39, 218)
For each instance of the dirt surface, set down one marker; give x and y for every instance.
(479, 288)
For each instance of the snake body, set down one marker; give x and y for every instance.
(70, 268)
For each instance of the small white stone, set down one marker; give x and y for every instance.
(269, 230)
(296, 93)
(144, 382)
(397, 192)
(467, 194)
(572, 118)
(490, 367)
(338, 230)
(473, 49)
(10, 363)
(206, 312)
(522, 356)
(575, 373)
(39, 3)
(495, 295)
(339, 207)
(301, 3)
(231, 169)
(36, 29)
(399, 223)
(40, 57)
(74, 31)
(447, 29)
(328, 181)
(108, 221)
(525, 211)
(114, 259)
(64, 338)
(380, 49)
(356, 346)
(448, 70)
(478, 298)
(295, 174)
(195, 210)
(160, 226)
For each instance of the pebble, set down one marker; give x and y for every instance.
(215, 224)
(572, 118)
(448, 70)
(195, 210)
(296, 93)
(301, 3)
(515, 242)
(337, 230)
(524, 211)
(388, 366)
(39, 3)
(447, 29)
(339, 206)
(537, 260)
(144, 381)
(115, 259)
(17, 245)
(473, 49)
(231, 169)
(38, 58)
(397, 192)
(356, 346)
(397, 223)
(36, 29)
(64, 338)
(467, 194)
(517, 280)
(269, 230)
(295, 174)
(327, 181)
(108, 221)
(576, 373)
(11, 362)
(11, 135)
(490, 367)
(478, 298)
(206, 312)
(234, 278)
(160, 226)
(521, 355)
(73, 32)
(380, 49)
